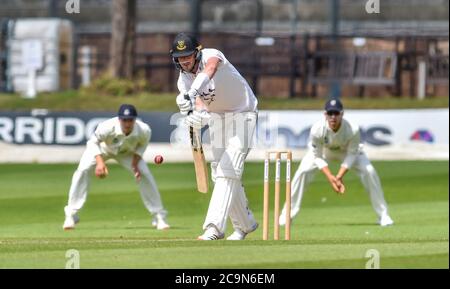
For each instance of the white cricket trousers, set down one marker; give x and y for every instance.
(363, 168)
(81, 179)
(231, 138)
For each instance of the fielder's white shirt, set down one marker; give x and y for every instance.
(108, 138)
(345, 142)
(226, 92)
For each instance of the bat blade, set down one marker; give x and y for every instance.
(201, 169)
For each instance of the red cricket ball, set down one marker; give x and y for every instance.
(158, 159)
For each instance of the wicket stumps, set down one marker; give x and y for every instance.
(276, 233)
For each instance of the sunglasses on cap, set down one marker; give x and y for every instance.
(332, 112)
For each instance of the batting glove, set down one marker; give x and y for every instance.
(197, 119)
(184, 104)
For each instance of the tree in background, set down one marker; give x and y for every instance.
(123, 38)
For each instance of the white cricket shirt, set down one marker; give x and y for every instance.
(227, 91)
(109, 139)
(324, 141)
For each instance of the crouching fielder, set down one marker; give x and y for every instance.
(228, 104)
(124, 139)
(335, 138)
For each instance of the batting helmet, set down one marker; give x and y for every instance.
(184, 45)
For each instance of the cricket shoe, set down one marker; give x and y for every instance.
(71, 219)
(282, 219)
(160, 222)
(385, 220)
(240, 235)
(211, 233)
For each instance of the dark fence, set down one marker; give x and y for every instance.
(287, 65)
(297, 65)
(3, 54)
(438, 66)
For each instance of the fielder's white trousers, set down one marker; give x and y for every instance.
(231, 139)
(363, 168)
(81, 179)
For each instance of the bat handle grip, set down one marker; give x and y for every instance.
(186, 96)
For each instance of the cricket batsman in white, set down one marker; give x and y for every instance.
(336, 139)
(215, 92)
(124, 139)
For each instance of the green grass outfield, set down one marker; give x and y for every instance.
(76, 100)
(115, 232)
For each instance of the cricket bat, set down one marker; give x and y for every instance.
(201, 169)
